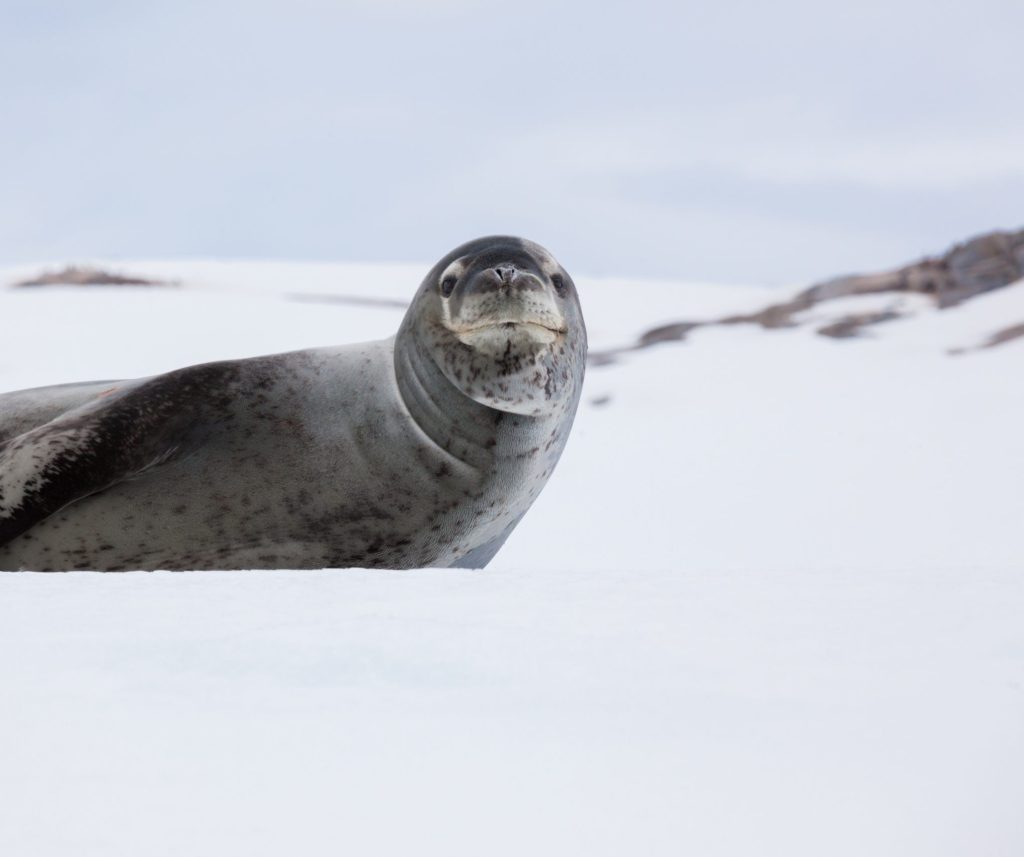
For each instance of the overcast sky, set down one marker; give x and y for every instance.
(731, 141)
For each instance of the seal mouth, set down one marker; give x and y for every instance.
(531, 331)
(510, 325)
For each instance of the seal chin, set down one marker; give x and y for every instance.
(497, 335)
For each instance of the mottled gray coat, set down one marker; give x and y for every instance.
(424, 449)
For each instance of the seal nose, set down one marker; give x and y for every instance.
(506, 273)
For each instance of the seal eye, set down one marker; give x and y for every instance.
(447, 285)
(559, 283)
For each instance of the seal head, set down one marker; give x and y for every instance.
(501, 319)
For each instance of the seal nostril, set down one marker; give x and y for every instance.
(505, 273)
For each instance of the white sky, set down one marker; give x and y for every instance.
(728, 141)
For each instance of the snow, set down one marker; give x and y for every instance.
(769, 603)
(571, 712)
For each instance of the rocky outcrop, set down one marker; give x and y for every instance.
(980, 265)
(75, 275)
(851, 325)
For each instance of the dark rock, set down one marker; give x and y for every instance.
(852, 326)
(75, 275)
(667, 333)
(1000, 337)
(980, 265)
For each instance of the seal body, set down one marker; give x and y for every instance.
(424, 449)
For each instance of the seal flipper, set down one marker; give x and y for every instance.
(24, 410)
(102, 443)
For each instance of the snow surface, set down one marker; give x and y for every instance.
(769, 603)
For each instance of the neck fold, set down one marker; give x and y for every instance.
(452, 421)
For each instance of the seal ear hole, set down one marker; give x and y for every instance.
(447, 285)
(559, 283)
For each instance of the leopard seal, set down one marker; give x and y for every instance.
(424, 449)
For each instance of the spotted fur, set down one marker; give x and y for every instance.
(423, 449)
